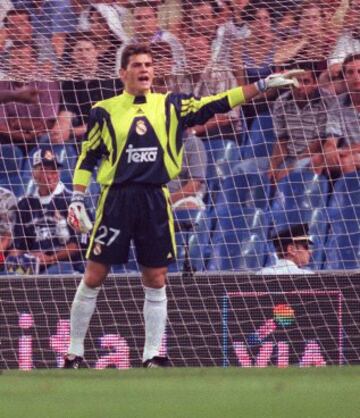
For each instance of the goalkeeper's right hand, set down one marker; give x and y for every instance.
(78, 218)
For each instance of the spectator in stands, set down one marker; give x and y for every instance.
(299, 118)
(83, 90)
(204, 78)
(201, 18)
(148, 31)
(332, 81)
(19, 29)
(41, 229)
(286, 22)
(48, 17)
(165, 80)
(256, 52)
(24, 124)
(231, 33)
(7, 218)
(253, 58)
(108, 35)
(188, 189)
(342, 147)
(293, 250)
(349, 40)
(310, 42)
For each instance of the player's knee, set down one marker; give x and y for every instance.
(95, 273)
(155, 295)
(154, 277)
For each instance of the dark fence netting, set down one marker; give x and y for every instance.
(214, 320)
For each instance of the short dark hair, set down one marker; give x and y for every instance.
(143, 3)
(213, 3)
(15, 12)
(135, 49)
(248, 14)
(295, 234)
(350, 58)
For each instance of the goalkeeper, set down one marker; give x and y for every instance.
(136, 139)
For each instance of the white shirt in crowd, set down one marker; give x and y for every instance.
(283, 266)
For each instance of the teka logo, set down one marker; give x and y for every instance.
(141, 155)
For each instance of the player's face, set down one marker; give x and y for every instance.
(139, 74)
(352, 76)
(47, 178)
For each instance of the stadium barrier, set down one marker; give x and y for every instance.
(214, 320)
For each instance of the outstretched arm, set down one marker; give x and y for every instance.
(197, 111)
(24, 95)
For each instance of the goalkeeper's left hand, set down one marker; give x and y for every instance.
(276, 80)
(78, 218)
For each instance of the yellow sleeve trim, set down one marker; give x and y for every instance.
(236, 97)
(81, 177)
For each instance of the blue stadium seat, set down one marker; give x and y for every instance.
(199, 240)
(240, 240)
(342, 247)
(246, 189)
(186, 222)
(346, 191)
(298, 195)
(260, 139)
(11, 166)
(318, 230)
(221, 154)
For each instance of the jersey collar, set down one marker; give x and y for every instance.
(136, 99)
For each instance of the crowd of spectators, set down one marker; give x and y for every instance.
(70, 50)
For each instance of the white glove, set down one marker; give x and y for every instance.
(77, 218)
(276, 80)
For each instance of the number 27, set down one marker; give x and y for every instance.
(103, 236)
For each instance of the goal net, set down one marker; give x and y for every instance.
(267, 189)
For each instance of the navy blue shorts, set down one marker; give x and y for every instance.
(137, 212)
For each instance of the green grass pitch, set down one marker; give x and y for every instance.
(332, 392)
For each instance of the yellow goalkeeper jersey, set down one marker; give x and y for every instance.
(139, 139)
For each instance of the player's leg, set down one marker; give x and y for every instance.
(82, 310)
(155, 311)
(155, 249)
(107, 246)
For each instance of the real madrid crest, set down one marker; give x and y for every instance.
(140, 127)
(97, 249)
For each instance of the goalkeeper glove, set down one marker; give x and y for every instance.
(285, 79)
(77, 218)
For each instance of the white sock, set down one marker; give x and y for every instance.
(155, 315)
(82, 309)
